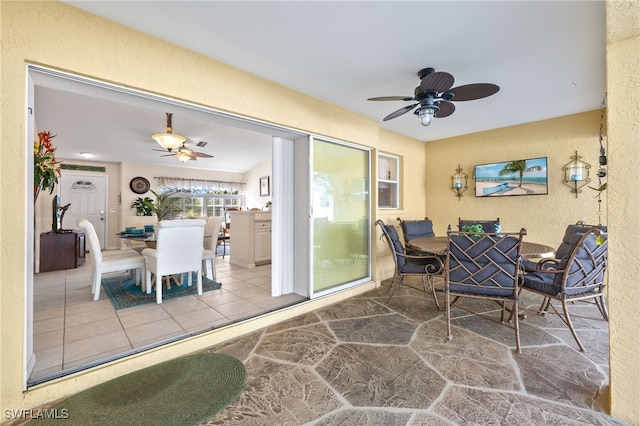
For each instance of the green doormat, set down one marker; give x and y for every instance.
(124, 293)
(183, 391)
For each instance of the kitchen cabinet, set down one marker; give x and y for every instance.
(250, 238)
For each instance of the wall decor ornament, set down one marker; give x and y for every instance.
(264, 186)
(139, 185)
(459, 182)
(576, 174)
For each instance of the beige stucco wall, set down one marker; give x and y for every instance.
(623, 87)
(545, 217)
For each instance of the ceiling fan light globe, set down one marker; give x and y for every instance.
(169, 141)
(183, 156)
(425, 115)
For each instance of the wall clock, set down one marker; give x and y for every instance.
(139, 185)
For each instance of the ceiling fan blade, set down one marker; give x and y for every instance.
(201, 154)
(438, 81)
(446, 109)
(168, 155)
(470, 92)
(161, 150)
(399, 112)
(393, 98)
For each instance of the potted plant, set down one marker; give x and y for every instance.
(475, 231)
(162, 206)
(143, 206)
(46, 170)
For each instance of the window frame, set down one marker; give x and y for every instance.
(228, 200)
(390, 181)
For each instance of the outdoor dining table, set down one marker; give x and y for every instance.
(438, 246)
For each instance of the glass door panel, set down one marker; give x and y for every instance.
(341, 215)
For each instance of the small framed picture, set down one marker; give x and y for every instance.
(264, 186)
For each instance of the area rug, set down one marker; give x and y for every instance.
(124, 293)
(183, 391)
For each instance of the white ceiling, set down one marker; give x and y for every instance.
(548, 57)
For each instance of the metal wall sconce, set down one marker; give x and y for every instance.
(459, 182)
(576, 174)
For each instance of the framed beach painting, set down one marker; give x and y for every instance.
(512, 178)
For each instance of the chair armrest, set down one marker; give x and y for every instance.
(419, 257)
(434, 265)
(546, 264)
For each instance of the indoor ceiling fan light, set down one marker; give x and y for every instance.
(168, 140)
(183, 156)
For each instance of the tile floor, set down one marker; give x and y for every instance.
(72, 331)
(363, 362)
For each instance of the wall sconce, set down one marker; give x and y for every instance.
(576, 174)
(459, 182)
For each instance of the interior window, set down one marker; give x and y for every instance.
(388, 181)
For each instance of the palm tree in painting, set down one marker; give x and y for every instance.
(519, 167)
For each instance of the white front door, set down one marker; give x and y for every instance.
(88, 197)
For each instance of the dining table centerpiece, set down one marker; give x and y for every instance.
(46, 170)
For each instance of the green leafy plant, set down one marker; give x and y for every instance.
(46, 170)
(142, 206)
(162, 207)
(474, 230)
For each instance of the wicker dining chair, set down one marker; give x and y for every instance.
(484, 266)
(578, 276)
(415, 229)
(424, 266)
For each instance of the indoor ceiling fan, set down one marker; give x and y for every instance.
(434, 96)
(185, 154)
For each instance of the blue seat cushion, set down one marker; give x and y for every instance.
(397, 244)
(542, 282)
(417, 229)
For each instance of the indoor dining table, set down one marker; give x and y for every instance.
(438, 246)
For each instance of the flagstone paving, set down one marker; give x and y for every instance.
(363, 362)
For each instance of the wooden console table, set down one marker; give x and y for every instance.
(60, 251)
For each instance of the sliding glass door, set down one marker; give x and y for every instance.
(340, 215)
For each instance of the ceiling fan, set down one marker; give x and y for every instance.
(185, 154)
(434, 96)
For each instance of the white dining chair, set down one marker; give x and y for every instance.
(110, 261)
(212, 231)
(178, 250)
